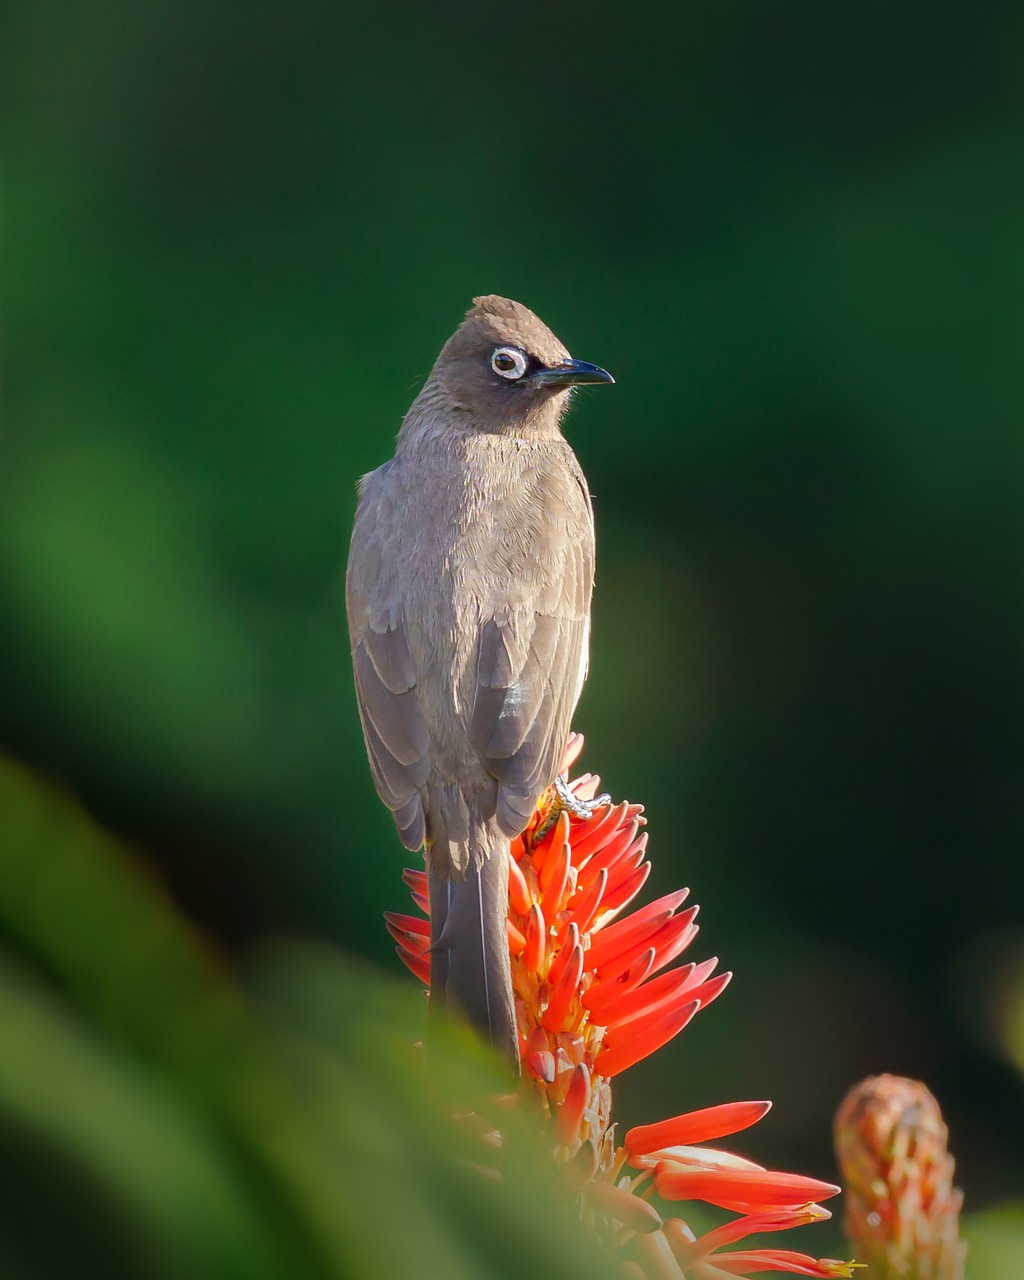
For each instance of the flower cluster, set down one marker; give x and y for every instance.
(594, 995)
(902, 1210)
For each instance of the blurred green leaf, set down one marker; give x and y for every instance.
(167, 1127)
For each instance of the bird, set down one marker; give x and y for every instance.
(468, 593)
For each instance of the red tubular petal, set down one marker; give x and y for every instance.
(570, 1113)
(623, 894)
(606, 946)
(573, 751)
(657, 996)
(751, 1224)
(554, 839)
(800, 1264)
(541, 1065)
(561, 997)
(624, 867)
(642, 1040)
(516, 940)
(609, 1002)
(536, 940)
(415, 880)
(593, 833)
(414, 943)
(408, 924)
(663, 940)
(566, 943)
(757, 1189)
(700, 972)
(553, 877)
(584, 904)
(708, 991)
(519, 896)
(555, 855)
(586, 787)
(417, 965)
(695, 1126)
(422, 901)
(660, 910)
(598, 996)
(634, 1213)
(681, 1239)
(613, 853)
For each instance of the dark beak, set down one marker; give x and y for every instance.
(571, 374)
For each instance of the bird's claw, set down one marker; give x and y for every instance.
(560, 799)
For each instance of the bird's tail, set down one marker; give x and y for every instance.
(469, 965)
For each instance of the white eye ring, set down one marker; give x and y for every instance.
(508, 362)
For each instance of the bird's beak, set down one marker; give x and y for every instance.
(570, 374)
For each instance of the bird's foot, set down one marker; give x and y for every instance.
(558, 800)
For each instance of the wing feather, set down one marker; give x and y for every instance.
(531, 653)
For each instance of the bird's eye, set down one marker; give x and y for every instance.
(508, 362)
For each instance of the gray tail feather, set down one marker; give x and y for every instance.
(469, 964)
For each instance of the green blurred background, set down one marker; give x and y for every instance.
(233, 240)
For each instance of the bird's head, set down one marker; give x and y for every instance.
(507, 369)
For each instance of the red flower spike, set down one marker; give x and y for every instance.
(518, 891)
(570, 1114)
(695, 1126)
(643, 1039)
(554, 1015)
(536, 948)
(634, 1214)
(753, 1188)
(587, 1008)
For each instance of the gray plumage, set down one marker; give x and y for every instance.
(469, 583)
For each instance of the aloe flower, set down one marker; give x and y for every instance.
(902, 1210)
(594, 995)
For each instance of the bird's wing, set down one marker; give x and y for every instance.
(533, 638)
(397, 738)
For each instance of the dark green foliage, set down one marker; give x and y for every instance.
(233, 239)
